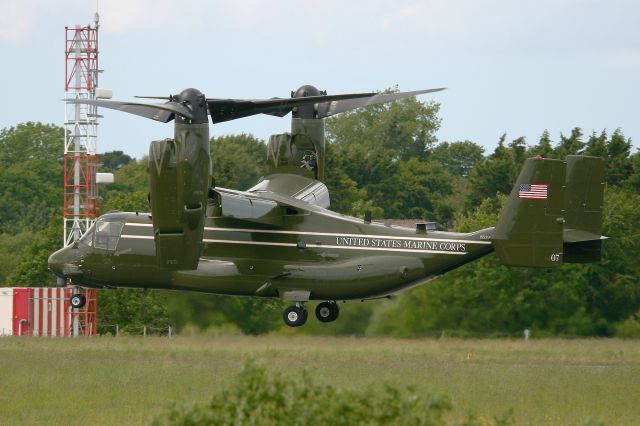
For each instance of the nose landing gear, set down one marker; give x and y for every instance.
(77, 300)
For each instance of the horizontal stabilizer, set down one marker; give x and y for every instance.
(582, 251)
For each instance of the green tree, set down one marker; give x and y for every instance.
(403, 129)
(238, 160)
(131, 310)
(346, 196)
(11, 248)
(597, 144)
(130, 189)
(633, 181)
(495, 174)
(32, 268)
(135, 201)
(425, 187)
(543, 148)
(31, 176)
(134, 176)
(616, 152)
(457, 157)
(113, 160)
(368, 148)
(613, 284)
(28, 141)
(569, 145)
(617, 159)
(250, 315)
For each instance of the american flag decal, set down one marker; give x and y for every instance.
(533, 191)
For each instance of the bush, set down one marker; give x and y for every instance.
(259, 397)
(629, 328)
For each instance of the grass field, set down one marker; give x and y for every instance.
(129, 380)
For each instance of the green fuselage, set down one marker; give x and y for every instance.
(315, 254)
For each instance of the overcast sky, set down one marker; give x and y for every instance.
(510, 66)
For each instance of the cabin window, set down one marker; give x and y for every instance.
(107, 235)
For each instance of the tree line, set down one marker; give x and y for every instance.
(385, 159)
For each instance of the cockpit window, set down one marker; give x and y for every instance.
(107, 235)
(87, 238)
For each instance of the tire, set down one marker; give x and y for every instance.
(327, 311)
(294, 316)
(78, 301)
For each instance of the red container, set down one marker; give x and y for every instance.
(45, 311)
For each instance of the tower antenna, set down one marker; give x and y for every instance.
(80, 130)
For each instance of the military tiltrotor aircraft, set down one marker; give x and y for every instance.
(278, 239)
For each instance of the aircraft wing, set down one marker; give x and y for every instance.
(268, 203)
(295, 186)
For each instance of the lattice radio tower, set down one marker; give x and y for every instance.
(80, 131)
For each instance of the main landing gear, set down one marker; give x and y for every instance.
(327, 311)
(295, 316)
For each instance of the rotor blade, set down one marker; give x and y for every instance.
(328, 109)
(164, 98)
(230, 109)
(159, 112)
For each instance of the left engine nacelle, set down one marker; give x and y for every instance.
(179, 180)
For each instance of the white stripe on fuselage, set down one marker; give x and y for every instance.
(328, 234)
(334, 234)
(266, 243)
(324, 234)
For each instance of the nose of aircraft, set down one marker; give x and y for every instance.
(55, 264)
(65, 262)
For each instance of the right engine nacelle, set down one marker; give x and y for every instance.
(300, 152)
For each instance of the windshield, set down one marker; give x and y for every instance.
(107, 234)
(87, 238)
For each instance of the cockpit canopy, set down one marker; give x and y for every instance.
(103, 235)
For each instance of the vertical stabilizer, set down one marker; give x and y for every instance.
(583, 209)
(529, 232)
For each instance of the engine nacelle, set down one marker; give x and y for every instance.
(179, 180)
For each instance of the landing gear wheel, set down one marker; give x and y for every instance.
(294, 316)
(327, 311)
(78, 301)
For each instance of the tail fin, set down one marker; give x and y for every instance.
(583, 209)
(554, 213)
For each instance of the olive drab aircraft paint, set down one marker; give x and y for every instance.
(279, 239)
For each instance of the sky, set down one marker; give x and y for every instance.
(511, 66)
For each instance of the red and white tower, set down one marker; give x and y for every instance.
(80, 131)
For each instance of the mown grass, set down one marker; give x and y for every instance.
(129, 380)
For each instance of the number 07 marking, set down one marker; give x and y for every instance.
(555, 257)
